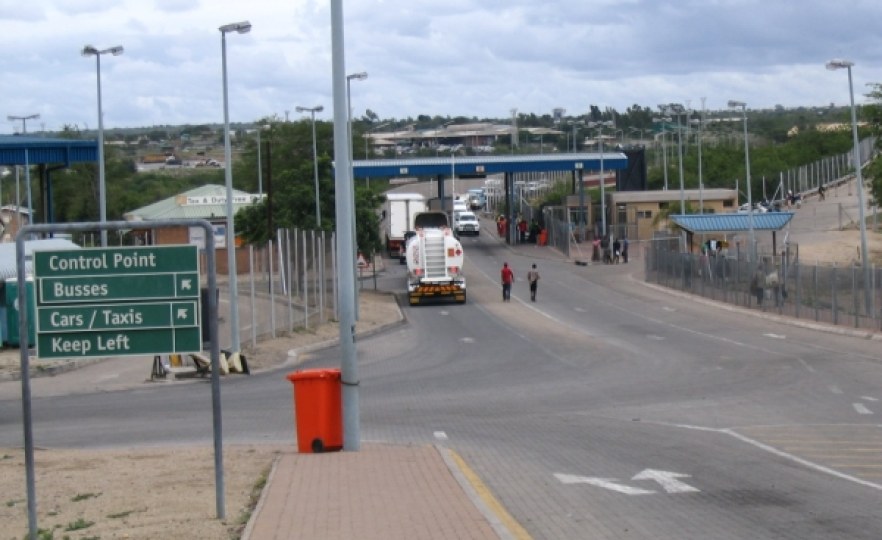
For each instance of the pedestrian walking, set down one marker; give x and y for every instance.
(533, 279)
(507, 280)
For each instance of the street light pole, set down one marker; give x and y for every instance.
(358, 77)
(24, 131)
(24, 119)
(318, 208)
(600, 126)
(241, 28)
(663, 149)
(859, 179)
(751, 253)
(676, 108)
(89, 50)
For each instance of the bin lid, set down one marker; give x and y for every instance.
(306, 374)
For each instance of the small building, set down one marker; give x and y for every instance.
(635, 213)
(207, 202)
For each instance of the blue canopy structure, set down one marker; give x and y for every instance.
(25, 150)
(473, 165)
(740, 222)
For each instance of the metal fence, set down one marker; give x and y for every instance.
(288, 284)
(781, 284)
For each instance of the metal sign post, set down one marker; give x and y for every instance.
(117, 302)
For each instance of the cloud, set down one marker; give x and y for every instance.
(476, 58)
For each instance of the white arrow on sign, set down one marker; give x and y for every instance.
(183, 313)
(667, 480)
(606, 483)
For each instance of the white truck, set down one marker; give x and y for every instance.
(434, 261)
(399, 212)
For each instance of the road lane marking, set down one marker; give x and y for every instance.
(835, 389)
(782, 454)
(440, 435)
(860, 408)
(606, 483)
(502, 522)
(868, 398)
(667, 480)
(775, 336)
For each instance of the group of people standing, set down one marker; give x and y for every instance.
(521, 226)
(612, 253)
(508, 279)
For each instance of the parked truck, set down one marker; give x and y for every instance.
(434, 260)
(399, 212)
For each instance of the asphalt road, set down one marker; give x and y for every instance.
(607, 409)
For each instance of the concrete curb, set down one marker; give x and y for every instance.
(294, 354)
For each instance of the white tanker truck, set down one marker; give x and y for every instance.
(434, 260)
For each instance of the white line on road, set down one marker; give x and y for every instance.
(440, 435)
(860, 408)
(782, 454)
(869, 398)
(606, 483)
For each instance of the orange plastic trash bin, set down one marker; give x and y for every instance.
(543, 237)
(317, 410)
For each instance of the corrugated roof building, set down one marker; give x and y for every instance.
(206, 202)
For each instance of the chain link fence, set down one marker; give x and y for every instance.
(828, 294)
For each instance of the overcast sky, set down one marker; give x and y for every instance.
(478, 58)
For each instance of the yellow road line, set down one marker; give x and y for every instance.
(483, 492)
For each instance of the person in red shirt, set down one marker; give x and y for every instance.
(507, 280)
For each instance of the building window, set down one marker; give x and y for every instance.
(728, 203)
(644, 214)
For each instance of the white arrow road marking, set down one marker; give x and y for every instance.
(667, 480)
(606, 483)
(869, 398)
(440, 435)
(861, 408)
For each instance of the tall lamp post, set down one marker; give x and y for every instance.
(575, 124)
(858, 174)
(360, 76)
(318, 207)
(24, 130)
(24, 120)
(751, 253)
(676, 108)
(663, 149)
(600, 126)
(89, 50)
(242, 28)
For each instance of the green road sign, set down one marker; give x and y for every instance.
(117, 301)
(118, 343)
(116, 261)
(117, 317)
(67, 290)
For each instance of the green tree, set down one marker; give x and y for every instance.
(872, 113)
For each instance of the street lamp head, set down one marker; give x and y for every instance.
(732, 103)
(839, 63)
(358, 76)
(241, 27)
(317, 108)
(89, 50)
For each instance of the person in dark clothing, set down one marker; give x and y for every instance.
(534, 231)
(617, 250)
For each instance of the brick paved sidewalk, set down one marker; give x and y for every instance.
(381, 492)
